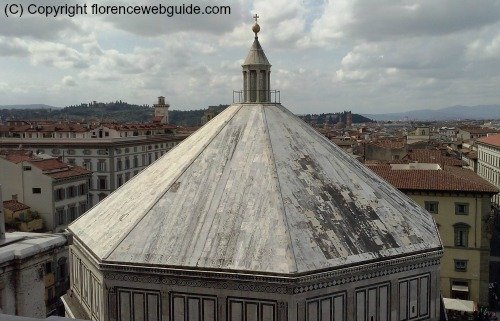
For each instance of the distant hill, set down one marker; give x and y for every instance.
(32, 106)
(333, 118)
(448, 113)
(114, 111)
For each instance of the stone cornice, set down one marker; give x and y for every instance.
(270, 284)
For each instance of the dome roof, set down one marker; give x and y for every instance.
(255, 190)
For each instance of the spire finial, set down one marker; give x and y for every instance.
(256, 27)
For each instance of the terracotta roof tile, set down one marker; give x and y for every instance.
(491, 140)
(450, 178)
(432, 156)
(15, 206)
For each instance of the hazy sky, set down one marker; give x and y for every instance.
(364, 55)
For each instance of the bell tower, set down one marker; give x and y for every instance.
(161, 111)
(256, 72)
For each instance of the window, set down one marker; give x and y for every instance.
(102, 182)
(460, 290)
(119, 180)
(26, 168)
(461, 234)
(72, 212)
(37, 190)
(87, 163)
(119, 164)
(461, 265)
(102, 152)
(71, 161)
(48, 267)
(71, 152)
(82, 189)
(432, 207)
(71, 191)
(136, 161)
(62, 268)
(127, 177)
(127, 163)
(461, 208)
(83, 208)
(60, 216)
(87, 152)
(101, 165)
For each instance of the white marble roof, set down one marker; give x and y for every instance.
(22, 245)
(256, 189)
(256, 55)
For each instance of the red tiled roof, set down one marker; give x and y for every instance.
(393, 144)
(69, 172)
(52, 167)
(450, 179)
(16, 156)
(433, 156)
(56, 169)
(491, 140)
(15, 206)
(48, 164)
(479, 130)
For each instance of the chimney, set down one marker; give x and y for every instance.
(2, 218)
(14, 197)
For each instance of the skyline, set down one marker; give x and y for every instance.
(367, 57)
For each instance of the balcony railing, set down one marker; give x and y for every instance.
(256, 96)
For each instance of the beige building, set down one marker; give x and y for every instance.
(488, 161)
(460, 202)
(56, 191)
(19, 216)
(419, 134)
(114, 153)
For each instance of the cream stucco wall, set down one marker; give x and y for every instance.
(477, 251)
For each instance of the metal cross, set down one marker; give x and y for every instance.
(256, 16)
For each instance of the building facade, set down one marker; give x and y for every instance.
(114, 153)
(460, 202)
(488, 161)
(56, 191)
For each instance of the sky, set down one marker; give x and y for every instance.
(327, 55)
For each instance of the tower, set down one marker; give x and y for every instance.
(161, 111)
(256, 72)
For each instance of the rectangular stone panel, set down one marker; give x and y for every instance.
(153, 306)
(124, 304)
(236, 309)
(192, 307)
(383, 306)
(413, 307)
(252, 312)
(139, 306)
(360, 306)
(403, 300)
(243, 309)
(424, 296)
(209, 310)
(339, 308)
(178, 309)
